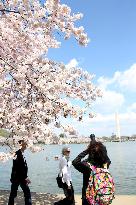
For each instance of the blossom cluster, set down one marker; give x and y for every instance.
(34, 90)
(27, 28)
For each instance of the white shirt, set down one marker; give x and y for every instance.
(65, 170)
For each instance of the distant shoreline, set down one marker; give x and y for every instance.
(75, 142)
(73, 139)
(86, 142)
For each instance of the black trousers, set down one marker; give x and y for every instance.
(26, 190)
(69, 196)
(84, 201)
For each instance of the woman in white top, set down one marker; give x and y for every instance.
(65, 172)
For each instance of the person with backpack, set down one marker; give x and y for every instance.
(96, 176)
(65, 177)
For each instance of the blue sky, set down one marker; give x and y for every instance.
(111, 56)
(111, 26)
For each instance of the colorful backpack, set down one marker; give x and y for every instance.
(101, 189)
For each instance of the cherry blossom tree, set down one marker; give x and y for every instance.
(35, 91)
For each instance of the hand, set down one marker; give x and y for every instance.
(27, 181)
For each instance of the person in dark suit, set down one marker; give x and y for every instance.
(19, 175)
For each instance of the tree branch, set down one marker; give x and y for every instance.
(6, 10)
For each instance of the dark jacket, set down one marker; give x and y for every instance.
(19, 169)
(83, 167)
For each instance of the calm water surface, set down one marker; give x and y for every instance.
(43, 173)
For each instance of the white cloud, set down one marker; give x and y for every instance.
(110, 102)
(72, 63)
(104, 81)
(105, 125)
(111, 117)
(125, 80)
(132, 107)
(115, 98)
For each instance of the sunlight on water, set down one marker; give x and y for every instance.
(43, 172)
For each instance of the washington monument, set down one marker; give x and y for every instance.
(117, 126)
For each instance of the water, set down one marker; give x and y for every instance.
(43, 173)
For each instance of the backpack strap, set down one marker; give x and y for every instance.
(105, 166)
(92, 167)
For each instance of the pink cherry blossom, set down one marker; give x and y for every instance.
(35, 91)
